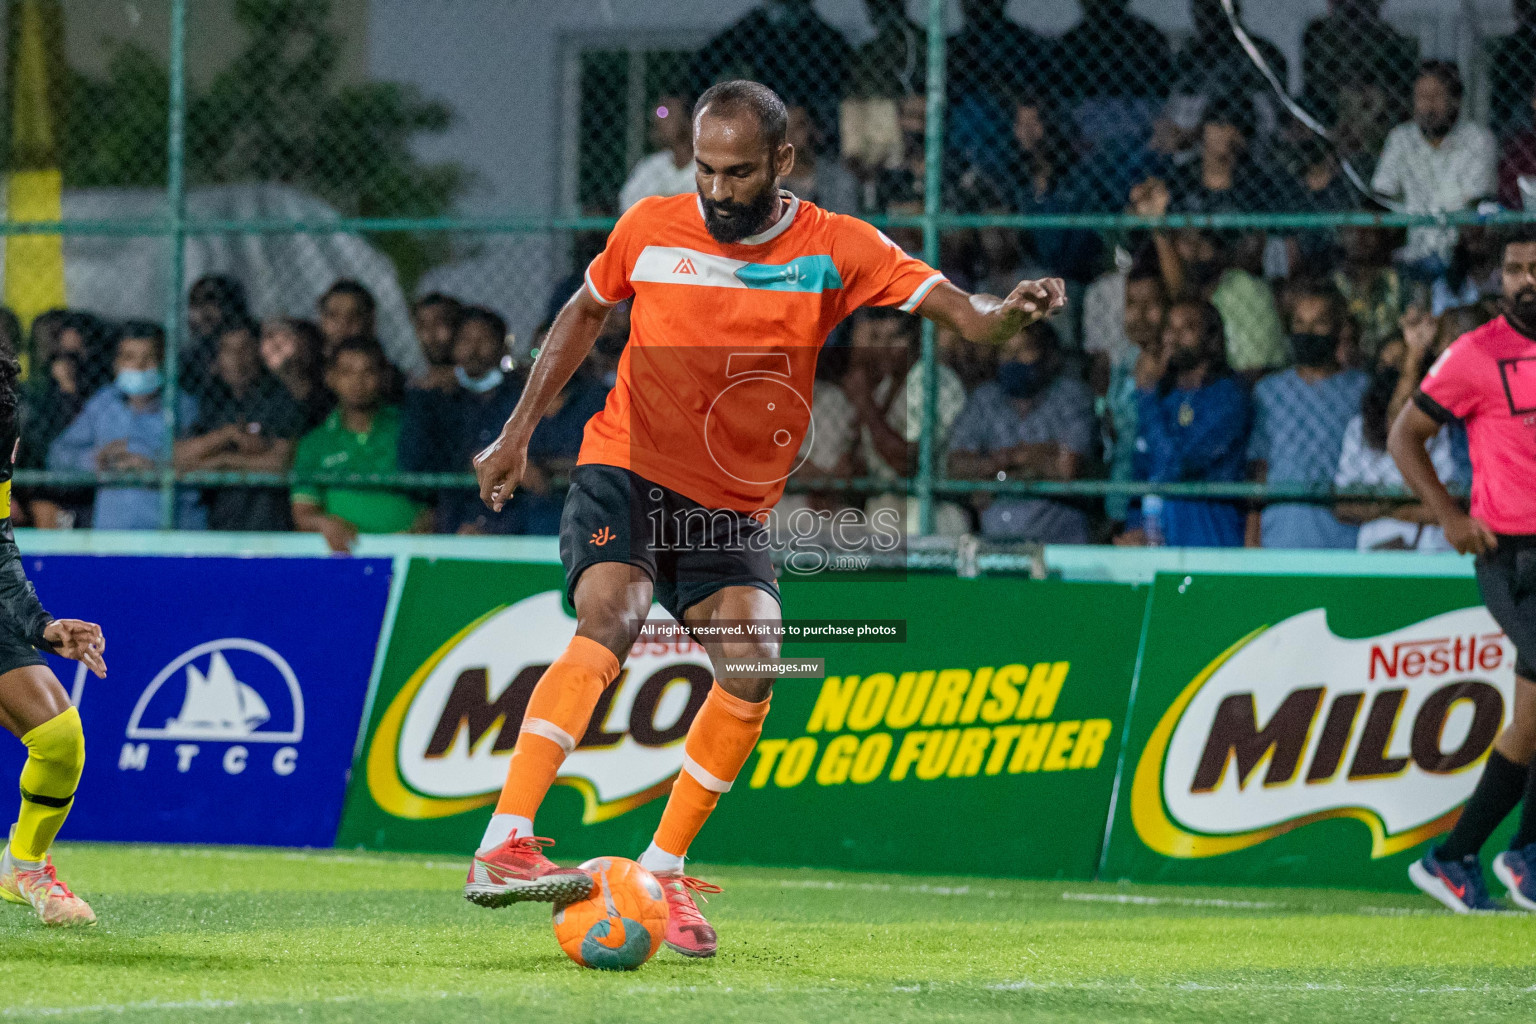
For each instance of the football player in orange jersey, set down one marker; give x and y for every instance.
(735, 289)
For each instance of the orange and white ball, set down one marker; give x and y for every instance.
(621, 925)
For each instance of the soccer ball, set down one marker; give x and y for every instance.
(621, 925)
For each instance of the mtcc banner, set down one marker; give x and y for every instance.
(233, 695)
(1294, 730)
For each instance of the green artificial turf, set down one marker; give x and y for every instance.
(221, 934)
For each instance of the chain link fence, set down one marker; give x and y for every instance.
(232, 234)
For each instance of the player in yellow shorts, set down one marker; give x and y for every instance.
(34, 706)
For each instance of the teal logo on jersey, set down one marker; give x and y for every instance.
(802, 274)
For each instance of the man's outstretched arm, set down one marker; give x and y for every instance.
(988, 319)
(499, 468)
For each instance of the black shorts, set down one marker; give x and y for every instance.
(689, 551)
(1507, 578)
(16, 653)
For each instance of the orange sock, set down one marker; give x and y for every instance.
(554, 723)
(719, 742)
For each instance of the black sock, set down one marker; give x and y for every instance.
(1497, 793)
(1525, 835)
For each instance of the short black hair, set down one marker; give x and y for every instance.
(144, 329)
(369, 347)
(1446, 72)
(238, 323)
(350, 286)
(1213, 341)
(1236, 111)
(761, 102)
(1318, 288)
(1145, 267)
(219, 290)
(1520, 234)
(481, 315)
(436, 299)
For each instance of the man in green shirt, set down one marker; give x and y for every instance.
(361, 436)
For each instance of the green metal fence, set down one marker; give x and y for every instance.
(414, 222)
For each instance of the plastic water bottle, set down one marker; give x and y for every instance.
(1152, 519)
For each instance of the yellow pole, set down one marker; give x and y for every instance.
(34, 264)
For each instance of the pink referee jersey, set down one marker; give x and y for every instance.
(1487, 379)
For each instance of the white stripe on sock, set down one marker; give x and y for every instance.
(702, 776)
(551, 732)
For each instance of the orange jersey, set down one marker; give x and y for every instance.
(713, 396)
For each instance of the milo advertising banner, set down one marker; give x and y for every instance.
(1305, 731)
(993, 732)
(1000, 708)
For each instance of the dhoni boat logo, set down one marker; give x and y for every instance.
(442, 744)
(1292, 725)
(221, 684)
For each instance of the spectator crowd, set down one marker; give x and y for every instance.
(315, 398)
(1188, 356)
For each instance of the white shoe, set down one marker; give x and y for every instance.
(39, 887)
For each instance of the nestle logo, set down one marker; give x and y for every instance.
(1414, 658)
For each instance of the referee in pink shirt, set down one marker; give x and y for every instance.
(1487, 381)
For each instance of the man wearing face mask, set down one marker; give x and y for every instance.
(122, 430)
(1033, 422)
(1487, 381)
(1300, 416)
(1193, 417)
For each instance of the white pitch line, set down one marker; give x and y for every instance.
(310, 856)
(1025, 985)
(1178, 901)
(153, 1004)
(23, 1012)
(919, 890)
(1433, 912)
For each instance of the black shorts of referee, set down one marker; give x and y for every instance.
(1507, 578)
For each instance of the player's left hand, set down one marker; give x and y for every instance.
(1034, 300)
(78, 641)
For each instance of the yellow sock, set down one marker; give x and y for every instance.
(56, 756)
